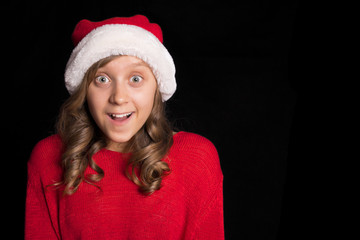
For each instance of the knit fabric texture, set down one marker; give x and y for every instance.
(188, 206)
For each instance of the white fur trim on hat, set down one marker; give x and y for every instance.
(121, 39)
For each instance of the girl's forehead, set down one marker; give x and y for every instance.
(125, 61)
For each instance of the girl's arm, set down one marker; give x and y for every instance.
(211, 222)
(38, 221)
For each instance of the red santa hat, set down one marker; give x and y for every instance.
(133, 36)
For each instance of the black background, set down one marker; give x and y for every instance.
(248, 74)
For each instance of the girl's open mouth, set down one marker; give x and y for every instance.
(120, 116)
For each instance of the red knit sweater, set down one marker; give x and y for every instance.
(188, 206)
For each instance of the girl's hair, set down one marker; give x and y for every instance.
(82, 139)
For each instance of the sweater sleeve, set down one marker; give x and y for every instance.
(211, 223)
(205, 188)
(37, 219)
(38, 222)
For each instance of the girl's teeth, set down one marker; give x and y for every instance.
(120, 115)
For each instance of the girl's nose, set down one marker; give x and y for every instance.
(119, 94)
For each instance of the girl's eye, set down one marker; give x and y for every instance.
(102, 79)
(136, 79)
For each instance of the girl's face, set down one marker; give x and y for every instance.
(120, 99)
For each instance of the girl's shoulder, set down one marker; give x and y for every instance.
(192, 140)
(46, 152)
(196, 149)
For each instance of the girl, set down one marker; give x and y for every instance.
(115, 169)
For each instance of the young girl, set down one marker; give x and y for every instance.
(115, 169)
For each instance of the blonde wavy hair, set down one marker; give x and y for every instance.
(82, 139)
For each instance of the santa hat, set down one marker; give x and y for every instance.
(134, 36)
